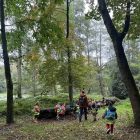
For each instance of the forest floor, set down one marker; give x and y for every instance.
(70, 129)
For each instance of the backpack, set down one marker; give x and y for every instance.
(82, 101)
(110, 115)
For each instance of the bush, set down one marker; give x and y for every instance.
(25, 106)
(118, 87)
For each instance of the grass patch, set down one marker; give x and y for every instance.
(24, 106)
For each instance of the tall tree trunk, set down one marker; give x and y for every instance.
(19, 73)
(69, 54)
(126, 74)
(9, 84)
(128, 80)
(100, 67)
(88, 53)
(99, 64)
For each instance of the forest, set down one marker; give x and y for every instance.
(53, 50)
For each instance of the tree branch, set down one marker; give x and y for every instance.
(127, 21)
(107, 19)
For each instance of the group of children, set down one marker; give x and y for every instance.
(110, 114)
(59, 109)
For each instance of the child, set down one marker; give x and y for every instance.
(60, 110)
(63, 110)
(36, 111)
(94, 111)
(110, 115)
(57, 106)
(57, 109)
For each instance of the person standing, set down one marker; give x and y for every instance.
(83, 104)
(57, 109)
(110, 115)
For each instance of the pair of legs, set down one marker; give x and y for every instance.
(83, 110)
(60, 116)
(110, 128)
(94, 117)
(77, 115)
(94, 114)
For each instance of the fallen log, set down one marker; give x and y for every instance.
(50, 113)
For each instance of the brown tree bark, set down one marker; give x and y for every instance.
(9, 84)
(69, 54)
(100, 67)
(126, 74)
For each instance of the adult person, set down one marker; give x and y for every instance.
(83, 104)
